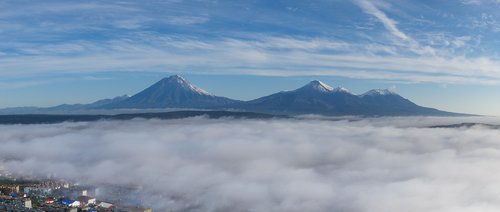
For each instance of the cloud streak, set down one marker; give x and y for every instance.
(279, 165)
(369, 8)
(271, 56)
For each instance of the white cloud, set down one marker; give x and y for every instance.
(274, 165)
(479, 2)
(127, 36)
(186, 20)
(272, 56)
(370, 8)
(471, 2)
(461, 41)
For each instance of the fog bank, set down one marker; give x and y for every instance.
(272, 165)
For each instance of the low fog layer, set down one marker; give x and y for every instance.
(274, 165)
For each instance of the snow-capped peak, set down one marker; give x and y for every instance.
(319, 86)
(378, 92)
(186, 85)
(341, 89)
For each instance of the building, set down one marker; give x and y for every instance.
(49, 200)
(70, 202)
(75, 204)
(27, 203)
(9, 188)
(38, 191)
(105, 205)
(86, 200)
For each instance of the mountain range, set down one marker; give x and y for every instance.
(316, 97)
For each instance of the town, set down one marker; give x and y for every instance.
(59, 196)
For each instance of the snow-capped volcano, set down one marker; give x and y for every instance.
(172, 92)
(378, 92)
(179, 81)
(310, 98)
(341, 90)
(317, 85)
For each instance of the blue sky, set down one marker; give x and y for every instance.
(442, 54)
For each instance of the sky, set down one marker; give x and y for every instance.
(279, 165)
(441, 54)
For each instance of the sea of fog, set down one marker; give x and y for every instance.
(307, 164)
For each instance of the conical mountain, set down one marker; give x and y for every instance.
(172, 92)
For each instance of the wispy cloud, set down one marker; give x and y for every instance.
(480, 2)
(370, 8)
(272, 56)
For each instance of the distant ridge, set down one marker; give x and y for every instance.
(315, 97)
(53, 119)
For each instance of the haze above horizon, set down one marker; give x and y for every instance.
(441, 54)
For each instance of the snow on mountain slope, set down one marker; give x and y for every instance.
(379, 92)
(172, 92)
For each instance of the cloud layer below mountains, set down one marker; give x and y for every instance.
(200, 164)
